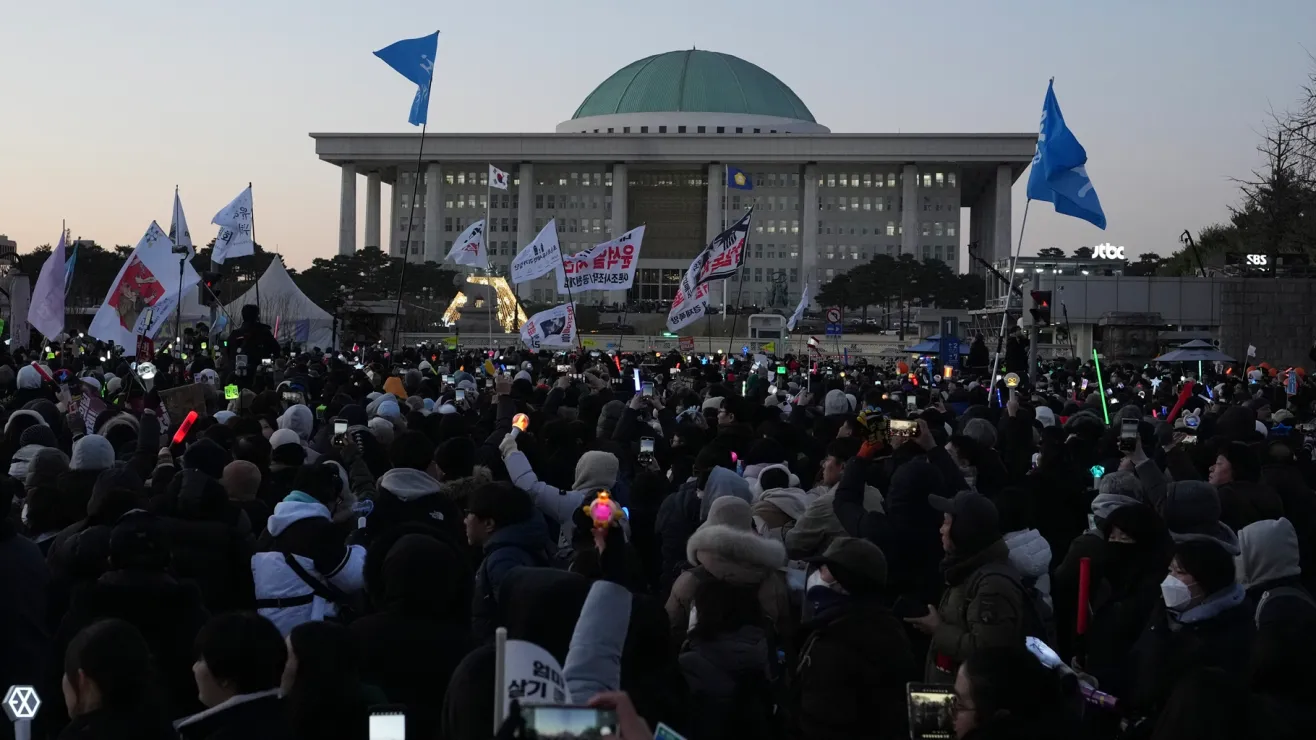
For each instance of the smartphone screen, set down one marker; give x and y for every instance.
(1128, 435)
(461, 394)
(646, 446)
(911, 403)
(391, 725)
(569, 723)
(646, 389)
(931, 711)
(904, 428)
(340, 426)
(1043, 652)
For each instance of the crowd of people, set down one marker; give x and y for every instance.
(794, 543)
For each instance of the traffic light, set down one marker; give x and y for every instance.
(211, 288)
(1041, 309)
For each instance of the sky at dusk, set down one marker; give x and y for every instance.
(105, 107)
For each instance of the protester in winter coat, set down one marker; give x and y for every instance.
(42, 508)
(725, 662)
(301, 420)
(410, 491)
(1244, 499)
(420, 586)
(1029, 552)
(680, 513)
(91, 455)
(595, 471)
(726, 548)
(321, 685)
(814, 531)
(286, 458)
(1268, 568)
(778, 504)
(504, 524)
(24, 597)
(34, 438)
(302, 569)
(81, 551)
(242, 483)
(1204, 619)
(984, 601)
(210, 539)
(238, 671)
(138, 589)
(1133, 562)
(109, 686)
(850, 676)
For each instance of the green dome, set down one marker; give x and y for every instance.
(694, 81)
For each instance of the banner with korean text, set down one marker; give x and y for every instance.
(607, 266)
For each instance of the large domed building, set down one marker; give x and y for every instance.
(654, 144)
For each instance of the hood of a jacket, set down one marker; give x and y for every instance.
(723, 482)
(408, 484)
(1269, 552)
(28, 377)
(18, 467)
(299, 419)
(92, 452)
(754, 472)
(595, 470)
(1029, 553)
(119, 478)
(542, 605)
(792, 501)
(733, 555)
(287, 513)
(530, 535)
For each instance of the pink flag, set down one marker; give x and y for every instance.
(46, 313)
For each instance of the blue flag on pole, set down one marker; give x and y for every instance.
(1058, 175)
(739, 179)
(414, 59)
(68, 268)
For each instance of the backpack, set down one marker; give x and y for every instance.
(1281, 593)
(1038, 618)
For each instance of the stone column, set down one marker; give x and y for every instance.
(909, 212)
(713, 218)
(372, 210)
(1003, 248)
(394, 215)
(347, 211)
(618, 215)
(809, 231)
(525, 215)
(433, 250)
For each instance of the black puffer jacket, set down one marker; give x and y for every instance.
(80, 553)
(210, 539)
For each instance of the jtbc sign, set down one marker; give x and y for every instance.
(1108, 252)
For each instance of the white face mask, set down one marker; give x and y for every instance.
(1175, 593)
(816, 579)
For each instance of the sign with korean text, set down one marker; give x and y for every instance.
(555, 327)
(538, 257)
(687, 344)
(607, 266)
(531, 676)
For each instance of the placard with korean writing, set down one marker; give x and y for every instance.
(607, 266)
(531, 676)
(555, 327)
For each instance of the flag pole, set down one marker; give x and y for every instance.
(488, 271)
(575, 323)
(744, 247)
(1009, 298)
(406, 243)
(726, 177)
(182, 260)
(253, 246)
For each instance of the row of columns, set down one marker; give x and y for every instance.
(990, 223)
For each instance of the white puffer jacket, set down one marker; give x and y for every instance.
(1031, 555)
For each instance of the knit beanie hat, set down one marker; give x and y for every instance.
(241, 480)
(38, 435)
(47, 463)
(1191, 510)
(92, 452)
(730, 511)
(382, 429)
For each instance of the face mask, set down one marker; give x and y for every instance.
(1175, 593)
(815, 580)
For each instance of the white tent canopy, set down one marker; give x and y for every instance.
(282, 302)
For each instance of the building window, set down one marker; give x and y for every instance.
(927, 179)
(795, 226)
(831, 202)
(740, 130)
(854, 204)
(598, 227)
(701, 130)
(461, 178)
(891, 179)
(516, 225)
(505, 225)
(680, 129)
(644, 129)
(539, 200)
(447, 246)
(625, 129)
(840, 206)
(516, 201)
(758, 274)
(926, 228)
(662, 129)
(609, 130)
(941, 180)
(950, 179)
(448, 178)
(721, 129)
(937, 229)
(831, 181)
(868, 179)
(447, 224)
(606, 179)
(757, 131)
(950, 228)
(890, 228)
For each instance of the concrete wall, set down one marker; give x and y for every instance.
(1179, 301)
(1278, 316)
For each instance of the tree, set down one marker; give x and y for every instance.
(1051, 253)
(1148, 263)
(93, 271)
(370, 274)
(1083, 253)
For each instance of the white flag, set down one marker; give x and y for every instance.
(799, 310)
(178, 232)
(230, 242)
(468, 249)
(1251, 351)
(607, 266)
(691, 302)
(555, 327)
(145, 293)
(539, 256)
(497, 178)
(46, 313)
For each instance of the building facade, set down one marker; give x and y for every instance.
(651, 145)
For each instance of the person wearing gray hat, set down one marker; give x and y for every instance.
(856, 657)
(984, 603)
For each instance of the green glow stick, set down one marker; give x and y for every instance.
(1101, 387)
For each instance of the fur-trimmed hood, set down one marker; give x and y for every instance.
(734, 555)
(754, 472)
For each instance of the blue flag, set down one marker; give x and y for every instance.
(1058, 175)
(414, 59)
(68, 268)
(739, 179)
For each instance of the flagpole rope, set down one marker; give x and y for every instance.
(1009, 298)
(406, 243)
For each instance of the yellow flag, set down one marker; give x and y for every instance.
(489, 367)
(770, 347)
(450, 342)
(589, 343)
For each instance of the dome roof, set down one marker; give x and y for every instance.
(694, 81)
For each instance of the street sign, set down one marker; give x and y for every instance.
(833, 329)
(833, 314)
